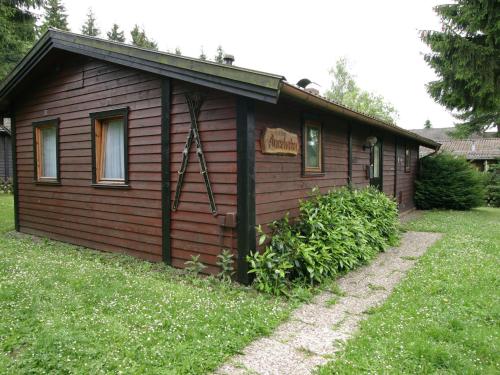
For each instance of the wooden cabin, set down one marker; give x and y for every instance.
(100, 133)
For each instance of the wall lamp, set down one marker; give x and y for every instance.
(370, 142)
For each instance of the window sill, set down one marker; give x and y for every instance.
(48, 182)
(313, 174)
(111, 186)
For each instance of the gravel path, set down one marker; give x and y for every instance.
(316, 330)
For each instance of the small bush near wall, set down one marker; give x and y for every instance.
(450, 182)
(493, 185)
(334, 232)
(6, 186)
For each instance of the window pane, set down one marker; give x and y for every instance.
(376, 161)
(48, 152)
(113, 163)
(312, 147)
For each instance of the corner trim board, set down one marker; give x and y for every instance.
(166, 90)
(349, 155)
(245, 130)
(14, 173)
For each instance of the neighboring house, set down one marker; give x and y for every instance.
(480, 149)
(100, 131)
(5, 153)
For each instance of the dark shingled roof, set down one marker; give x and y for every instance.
(245, 82)
(443, 134)
(474, 149)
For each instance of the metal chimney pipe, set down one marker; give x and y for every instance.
(228, 59)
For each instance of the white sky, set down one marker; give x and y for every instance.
(297, 39)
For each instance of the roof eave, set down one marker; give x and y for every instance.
(249, 83)
(294, 92)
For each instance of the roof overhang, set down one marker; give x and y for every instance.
(244, 82)
(294, 92)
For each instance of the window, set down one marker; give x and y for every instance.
(312, 147)
(109, 146)
(46, 151)
(407, 158)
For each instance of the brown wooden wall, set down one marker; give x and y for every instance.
(194, 230)
(107, 219)
(279, 180)
(406, 180)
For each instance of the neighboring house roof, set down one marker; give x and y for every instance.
(245, 82)
(443, 134)
(474, 149)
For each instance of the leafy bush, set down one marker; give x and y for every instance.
(447, 181)
(194, 266)
(493, 186)
(334, 232)
(6, 186)
(225, 262)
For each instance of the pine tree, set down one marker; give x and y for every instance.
(140, 39)
(17, 31)
(219, 57)
(89, 27)
(203, 56)
(54, 16)
(427, 124)
(116, 34)
(466, 57)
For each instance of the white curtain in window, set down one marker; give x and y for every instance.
(114, 163)
(49, 161)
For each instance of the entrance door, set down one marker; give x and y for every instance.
(376, 166)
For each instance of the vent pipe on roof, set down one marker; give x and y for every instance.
(228, 59)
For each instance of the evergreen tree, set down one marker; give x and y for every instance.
(54, 16)
(178, 51)
(466, 57)
(140, 39)
(116, 34)
(344, 90)
(219, 57)
(17, 31)
(203, 56)
(447, 181)
(89, 27)
(427, 124)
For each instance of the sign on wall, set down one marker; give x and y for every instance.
(279, 142)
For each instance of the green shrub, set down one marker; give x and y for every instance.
(493, 185)
(334, 232)
(6, 186)
(447, 181)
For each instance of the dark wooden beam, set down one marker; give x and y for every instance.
(15, 185)
(165, 168)
(349, 155)
(245, 122)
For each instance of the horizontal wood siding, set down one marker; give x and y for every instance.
(194, 230)
(406, 180)
(279, 180)
(117, 220)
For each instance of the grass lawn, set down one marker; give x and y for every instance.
(64, 309)
(445, 316)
